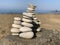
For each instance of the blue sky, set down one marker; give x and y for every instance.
(23, 4)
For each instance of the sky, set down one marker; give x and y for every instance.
(23, 4)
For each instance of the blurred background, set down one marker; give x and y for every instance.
(19, 6)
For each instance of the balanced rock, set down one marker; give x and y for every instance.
(17, 22)
(26, 35)
(25, 29)
(15, 30)
(26, 20)
(27, 24)
(25, 17)
(32, 6)
(16, 26)
(17, 18)
(28, 14)
(15, 33)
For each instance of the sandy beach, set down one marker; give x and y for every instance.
(48, 21)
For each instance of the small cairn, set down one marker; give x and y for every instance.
(16, 26)
(28, 26)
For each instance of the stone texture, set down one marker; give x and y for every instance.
(17, 22)
(27, 24)
(45, 37)
(16, 26)
(15, 30)
(32, 6)
(27, 35)
(17, 18)
(25, 29)
(15, 33)
(26, 20)
(28, 14)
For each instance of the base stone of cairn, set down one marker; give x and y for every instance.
(45, 37)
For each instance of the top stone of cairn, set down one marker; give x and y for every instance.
(31, 7)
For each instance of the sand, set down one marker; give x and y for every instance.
(48, 21)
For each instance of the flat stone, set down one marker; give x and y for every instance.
(17, 22)
(26, 35)
(26, 20)
(15, 30)
(26, 17)
(14, 33)
(17, 18)
(16, 26)
(28, 14)
(27, 24)
(25, 29)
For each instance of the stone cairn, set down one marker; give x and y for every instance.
(28, 26)
(16, 26)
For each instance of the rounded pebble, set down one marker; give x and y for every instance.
(25, 29)
(15, 33)
(26, 35)
(15, 30)
(26, 20)
(25, 16)
(17, 22)
(27, 24)
(28, 14)
(16, 26)
(17, 18)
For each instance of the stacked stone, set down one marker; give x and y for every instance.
(27, 26)
(29, 23)
(16, 26)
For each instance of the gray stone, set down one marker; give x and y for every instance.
(26, 20)
(43, 38)
(27, 24)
